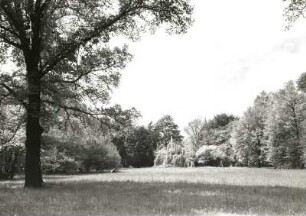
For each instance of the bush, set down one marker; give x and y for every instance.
(214, 156)
(11, 160)
(100, 154)
(71, 154)
(54, 161)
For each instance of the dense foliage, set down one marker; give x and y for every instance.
(11, 160)
(270, 133)
(286, 128)
(137, 147)
(73, 154)
(249, 137)
(63, 154)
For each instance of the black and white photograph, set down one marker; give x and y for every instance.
(152, 108)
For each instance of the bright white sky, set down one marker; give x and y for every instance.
(235, 50)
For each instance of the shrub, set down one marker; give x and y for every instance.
(54, 161)
(100, 154)
(72, 154)
(214, 155)
(11, 160)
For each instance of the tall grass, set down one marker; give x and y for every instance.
(162, 191)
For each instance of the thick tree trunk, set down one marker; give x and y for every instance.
(33, 174)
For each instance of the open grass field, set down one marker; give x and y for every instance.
(162, 191)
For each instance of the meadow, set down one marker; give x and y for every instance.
(161, 191)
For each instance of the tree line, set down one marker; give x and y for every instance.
(270, 133)
(82, 147)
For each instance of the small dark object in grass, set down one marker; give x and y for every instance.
(113, 170)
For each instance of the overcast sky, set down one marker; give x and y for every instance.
(235, 50)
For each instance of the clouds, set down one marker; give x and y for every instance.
(290, 45)
(235, 50)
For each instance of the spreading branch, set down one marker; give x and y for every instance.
(74, 45)
(15, 95)
(16, 21)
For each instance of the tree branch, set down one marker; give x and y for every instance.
(17, 24)
(13, 135)
(3, 96)
(72, 47)
(15, 95)
(76, 109)
(9, 30)
(12, 43)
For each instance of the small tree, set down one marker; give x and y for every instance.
(173, 154)
(195, 133)
(139, 148)
(167, 129)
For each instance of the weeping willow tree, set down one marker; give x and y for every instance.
(174, 154)
(64, 59)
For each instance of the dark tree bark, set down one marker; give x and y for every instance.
(33, 174)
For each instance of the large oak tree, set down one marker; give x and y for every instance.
(64, 60)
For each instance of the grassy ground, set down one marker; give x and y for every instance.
(162, 191)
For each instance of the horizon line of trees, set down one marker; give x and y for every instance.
(270, 133)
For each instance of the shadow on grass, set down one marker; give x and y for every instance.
(152, 198)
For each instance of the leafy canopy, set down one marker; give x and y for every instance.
(67, 45)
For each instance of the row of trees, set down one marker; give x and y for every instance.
(86, 147)
(272, 132)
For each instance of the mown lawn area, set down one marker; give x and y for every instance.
(161, 191)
